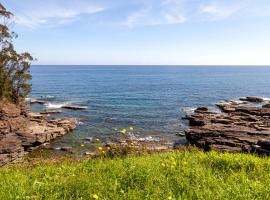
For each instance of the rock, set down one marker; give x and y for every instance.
(47, 112)
(252, 99)
(236, 129)
(266, 106)
(201, 109)
(90, 154)
(75, 107)
(66, 149)
(22, 131)
(88, 139)
(265, 144)
(37, 101)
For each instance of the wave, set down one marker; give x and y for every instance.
(189, 110)
(50, 105)
(266, 99)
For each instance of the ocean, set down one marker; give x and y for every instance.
(152, 99)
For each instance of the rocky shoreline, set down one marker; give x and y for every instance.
(241, 126)
(22, 131)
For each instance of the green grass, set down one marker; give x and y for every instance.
(173, 175)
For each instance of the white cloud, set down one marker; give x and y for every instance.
(179, 11)
(219, 10)
(48, 13)
(157, 13)
(132, 13)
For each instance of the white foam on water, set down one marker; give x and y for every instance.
(189, 110)
(266, 99)
(50, 105)
(148, 139)
(28, 99)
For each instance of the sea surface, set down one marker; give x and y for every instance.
(151, 99)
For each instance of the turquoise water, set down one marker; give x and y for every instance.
(150, 98)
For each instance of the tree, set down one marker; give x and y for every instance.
(14, 67)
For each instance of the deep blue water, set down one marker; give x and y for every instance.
(150, 98)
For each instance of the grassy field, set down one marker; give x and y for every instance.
(174, 175)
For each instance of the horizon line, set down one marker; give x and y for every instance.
(229, 65)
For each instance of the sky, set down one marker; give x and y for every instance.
(143, 32)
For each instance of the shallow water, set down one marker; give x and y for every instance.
(152, 99)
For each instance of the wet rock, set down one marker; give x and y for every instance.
(49, 112)
(266, 106)
(252, 99)
(75, 107)
(69, 149)
(265, 144)
(201, 109)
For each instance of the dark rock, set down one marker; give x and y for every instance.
(48, 112)
(75, 107)
(252, 99)
(66, 149)
(265, 144)
(201, 109)
(266, 106)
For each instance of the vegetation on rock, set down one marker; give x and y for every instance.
(14, 67)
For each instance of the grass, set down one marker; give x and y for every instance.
(174, 175)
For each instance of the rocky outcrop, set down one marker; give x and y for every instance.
(240, 127)
(22, 131)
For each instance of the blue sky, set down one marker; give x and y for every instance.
(143, 31)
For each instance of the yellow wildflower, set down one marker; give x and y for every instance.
(103, 152)
(131, 128)
(95, 196)
(82, 145)
(100, 148)
(124, 131)
(116, 129)
(97, 140)
(108, 148)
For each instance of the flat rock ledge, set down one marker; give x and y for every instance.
(241, 126)
(22, 131)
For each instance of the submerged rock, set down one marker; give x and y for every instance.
(75, 107)
(238, 128)
(49, 112)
